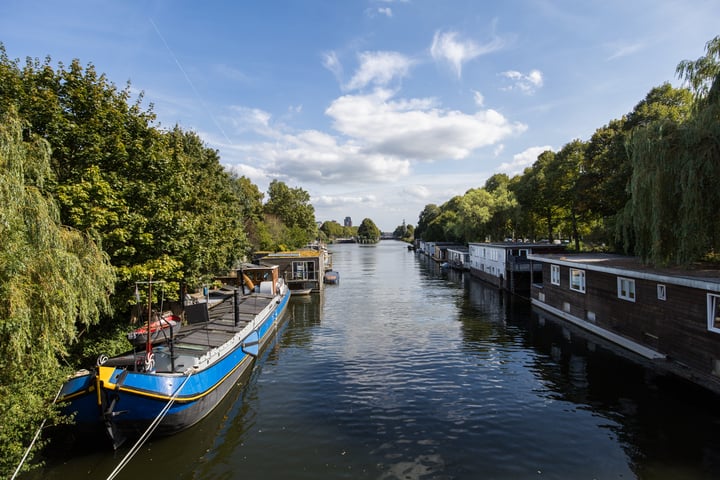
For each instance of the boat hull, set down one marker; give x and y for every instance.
(125, 403)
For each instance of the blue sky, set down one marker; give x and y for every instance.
(375, 107)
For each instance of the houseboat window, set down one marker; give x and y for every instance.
(626, 288)
(523, 252)
(303, 271)
(662, 295)
(713, 307)
(577, 280)
(555, 274)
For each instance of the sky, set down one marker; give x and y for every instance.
(376, 108)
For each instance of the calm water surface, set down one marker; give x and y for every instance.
(403, 371)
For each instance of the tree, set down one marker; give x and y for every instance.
(502, 224)
(701, 74)
(538, 192)
(52, 278)
(568, 167)
(332, 229)
(672, 215)
(157, 201)
(368, 231)
(475, 210)
(429, 213)
(292, 206)
(404, 232)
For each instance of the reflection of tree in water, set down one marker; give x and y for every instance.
(663, 423)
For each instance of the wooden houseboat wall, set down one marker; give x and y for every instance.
(301, 269)
(671, 318)
(506, 265)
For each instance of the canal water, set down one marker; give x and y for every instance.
(406, 371)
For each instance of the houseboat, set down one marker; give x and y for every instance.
(165, 387)
(670, 316)
(301, 269)
(458, 257)
(506, 264)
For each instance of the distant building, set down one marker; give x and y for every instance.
(347, 222)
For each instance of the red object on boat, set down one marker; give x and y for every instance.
(161, 329)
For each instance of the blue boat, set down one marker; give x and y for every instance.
(167, 387)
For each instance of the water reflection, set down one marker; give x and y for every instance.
(659, 421)
(409, 371)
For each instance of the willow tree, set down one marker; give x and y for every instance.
(676, 170)
(52, 280)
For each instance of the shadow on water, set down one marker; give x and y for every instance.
(666, 426)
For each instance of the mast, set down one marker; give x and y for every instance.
(148, 340)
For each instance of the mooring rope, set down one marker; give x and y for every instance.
(143, 438)
(37, 434)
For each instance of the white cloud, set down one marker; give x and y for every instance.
(525, 83)
(379, 68)
(478, 98)
(522, 160)
(417, 191)
(385, 11)
(620, 50)
(415, 128)
(342, 200)
(378, 137)
(331, 62)
(446, 47)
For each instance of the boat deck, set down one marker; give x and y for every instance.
(196, 339)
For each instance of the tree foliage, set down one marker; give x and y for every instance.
(52, 278)
(645, 183)
(368, 231)
(292, 207)
(332, 230)
(95, 196)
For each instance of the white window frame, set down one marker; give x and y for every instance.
(626, 288)
(661, 291)
(713, 312)
(555, 274)
(579, 274)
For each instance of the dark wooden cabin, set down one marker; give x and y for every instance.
(670, 316)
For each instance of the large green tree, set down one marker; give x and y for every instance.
(539, 192)
(672, 214)
(52, 278)
(293, 208)
(428, 214)
(368, 231)
(158, 202)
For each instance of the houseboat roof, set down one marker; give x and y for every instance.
(557, 246)
(294, 254)
(701, 276)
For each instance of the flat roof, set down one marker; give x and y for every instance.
(700, 275)
(294, 254)
(519, 244)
